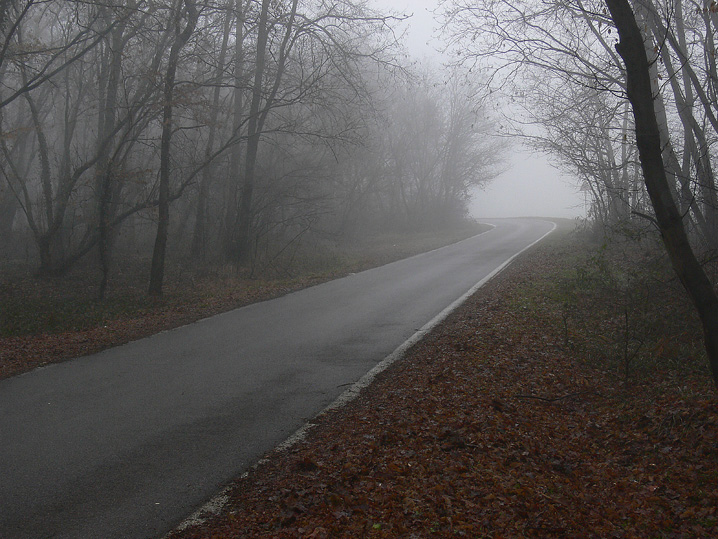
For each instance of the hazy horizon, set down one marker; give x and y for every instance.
(530, 186)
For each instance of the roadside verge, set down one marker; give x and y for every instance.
(490, 426)
(217, 503)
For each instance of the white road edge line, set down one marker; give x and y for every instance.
(215, 505)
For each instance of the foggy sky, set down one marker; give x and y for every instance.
(530, 186)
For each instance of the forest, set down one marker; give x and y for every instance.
(625, 96)
(164, 161)
(248, 134)
(222, 132)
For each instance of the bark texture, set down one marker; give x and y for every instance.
(158, 257)
(685, 263)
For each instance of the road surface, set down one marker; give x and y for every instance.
(128, 442)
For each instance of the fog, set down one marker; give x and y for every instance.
(250, 138)
(530, 185)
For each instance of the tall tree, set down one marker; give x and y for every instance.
(640, 93)
(200, 236)
(182, 36)
(257, 119)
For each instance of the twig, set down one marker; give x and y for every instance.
(645, 216)
(555, 399)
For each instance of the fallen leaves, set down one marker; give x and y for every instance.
(490, 428)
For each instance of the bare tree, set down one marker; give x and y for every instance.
(187, 11)
(574, 43)
(297, 46)
(45, 60)
(648, 139)
(200, 236)
(439, 137)
(63, 225)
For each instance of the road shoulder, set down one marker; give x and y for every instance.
(488, 425)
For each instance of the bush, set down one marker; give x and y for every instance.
(624, 307)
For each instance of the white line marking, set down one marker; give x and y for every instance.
(215, 505)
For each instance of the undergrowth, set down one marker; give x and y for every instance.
(618, 304)
(32, 305)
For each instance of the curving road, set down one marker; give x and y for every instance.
(127, 442)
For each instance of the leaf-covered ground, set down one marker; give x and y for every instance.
(493, 427)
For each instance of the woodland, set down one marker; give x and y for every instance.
(259, 142)
(252, 134)
(221, 133)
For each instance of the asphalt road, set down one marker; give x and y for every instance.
(128, 442)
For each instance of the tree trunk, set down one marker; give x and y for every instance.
(253, 136)
(158, 256)
(8, 209)
(110, 78)
(229, 229)
(257, 118)
(45, 239)
(648, 140)
(199, 236)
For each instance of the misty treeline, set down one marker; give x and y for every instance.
(559, 62)
(222, 131)
(624, 93)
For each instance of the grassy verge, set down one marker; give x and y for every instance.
(497, 425)
(618, 305)
(43, 321)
